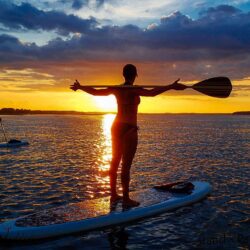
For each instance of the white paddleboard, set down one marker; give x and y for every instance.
(13, 145)
(96, 213)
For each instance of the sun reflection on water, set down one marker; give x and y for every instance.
(105, 158)
(107, 150)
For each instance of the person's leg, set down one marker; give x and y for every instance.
(116, 158)
(130, 141)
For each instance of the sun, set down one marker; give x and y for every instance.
(106, 103)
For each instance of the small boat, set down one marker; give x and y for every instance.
(12, 143)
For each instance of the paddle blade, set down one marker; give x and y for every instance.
(220, 87)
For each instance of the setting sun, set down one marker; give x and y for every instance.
(106, 103)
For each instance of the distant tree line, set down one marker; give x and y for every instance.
(12, 111)
(242, 113)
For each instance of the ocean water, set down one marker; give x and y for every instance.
(68, 158)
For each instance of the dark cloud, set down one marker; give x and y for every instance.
(220, 11)
(28, 17)
(78, 4)
(221, 31)
(12, 50)
(220, 37)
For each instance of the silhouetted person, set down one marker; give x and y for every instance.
(124, 130)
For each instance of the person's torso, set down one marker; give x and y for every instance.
(127, 103)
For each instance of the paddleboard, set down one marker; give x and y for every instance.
(97, 213)
(13, 144)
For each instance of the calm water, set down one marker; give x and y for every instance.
(68, 159)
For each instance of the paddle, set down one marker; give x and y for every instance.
(220, 87)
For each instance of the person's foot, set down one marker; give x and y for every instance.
(115, 198)
(130, 203)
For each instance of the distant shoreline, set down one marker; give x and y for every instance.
(242, 113)
(11, 111)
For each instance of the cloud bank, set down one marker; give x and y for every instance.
(220, 37)
(25, 16)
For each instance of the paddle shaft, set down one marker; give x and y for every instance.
(128, 86)
(139, 86)
(220, 87)
(123, 86)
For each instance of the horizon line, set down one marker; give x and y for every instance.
(14, 111)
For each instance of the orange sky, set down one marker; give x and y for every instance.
(39, 89)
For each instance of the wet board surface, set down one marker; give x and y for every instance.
(91, 208)
(97, 213)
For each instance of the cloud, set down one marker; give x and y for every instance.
(216, 30)
(220, 11)
(17, 17)
(78, 4)
(12, 50)
(23, 80)
(219, 37)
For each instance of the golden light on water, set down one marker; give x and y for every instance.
(107, 150)
(105, 158)
(106, 125)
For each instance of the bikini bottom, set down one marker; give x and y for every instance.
(119, 129)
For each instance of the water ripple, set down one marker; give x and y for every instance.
(68, 159)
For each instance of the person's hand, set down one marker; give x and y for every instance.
(75, 86)
(178, 86)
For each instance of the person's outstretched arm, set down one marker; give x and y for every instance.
(90, 90)
(158, 90)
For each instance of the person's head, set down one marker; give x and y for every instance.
(129, 73)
